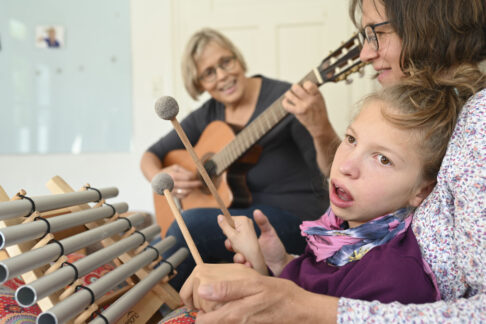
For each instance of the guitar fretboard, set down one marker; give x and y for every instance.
(254, 131)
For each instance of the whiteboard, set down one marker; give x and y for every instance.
(72, 98)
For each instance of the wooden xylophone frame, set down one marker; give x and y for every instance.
(146, 309)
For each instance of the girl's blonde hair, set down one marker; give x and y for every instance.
(196, 44)
(428, 105)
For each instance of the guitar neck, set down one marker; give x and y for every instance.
(255, 130)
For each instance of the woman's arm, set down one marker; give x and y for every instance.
(308, 106)
(463, 310)
(150, 165)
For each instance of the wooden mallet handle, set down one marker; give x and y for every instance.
(183, 227)
(167, 108)
(162, 184)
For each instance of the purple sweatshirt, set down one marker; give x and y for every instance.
(390, 272)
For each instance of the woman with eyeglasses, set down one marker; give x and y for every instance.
(285, 183)
(400, 39)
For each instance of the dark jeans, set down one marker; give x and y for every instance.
(209, 239)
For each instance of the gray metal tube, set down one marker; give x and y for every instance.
(74, 304)
(33, 259)
(28, 295)
(123, 304)
(25, 232)
(19, 208)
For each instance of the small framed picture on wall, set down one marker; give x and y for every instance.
(49, 36)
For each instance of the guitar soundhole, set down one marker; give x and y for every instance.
(210, 168)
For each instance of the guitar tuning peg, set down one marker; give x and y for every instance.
(349, 80)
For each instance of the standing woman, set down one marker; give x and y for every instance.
(400, 38)
(285, 183)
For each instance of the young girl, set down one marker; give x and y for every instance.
(363, 246)
(449, 224)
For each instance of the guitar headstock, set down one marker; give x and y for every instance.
(341, 62)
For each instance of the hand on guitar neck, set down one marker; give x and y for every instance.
(307, 104)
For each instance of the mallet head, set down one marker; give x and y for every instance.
(161, 182)
(166, 107)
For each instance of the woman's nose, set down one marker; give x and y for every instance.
(221, 73)
(368, 53)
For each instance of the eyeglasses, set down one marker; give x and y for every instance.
(368, 33)
(226, 63)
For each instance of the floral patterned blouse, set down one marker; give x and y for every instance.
(450, 227)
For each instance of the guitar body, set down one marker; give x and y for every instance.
(231, 184)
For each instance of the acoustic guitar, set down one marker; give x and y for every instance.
(227, 157)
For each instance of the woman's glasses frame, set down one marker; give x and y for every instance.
(368, 34)
(226, 63)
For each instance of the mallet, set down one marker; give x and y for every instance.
(167, 108)
(163, 184)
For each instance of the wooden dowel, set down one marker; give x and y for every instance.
(202, 171)
(182, 225)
